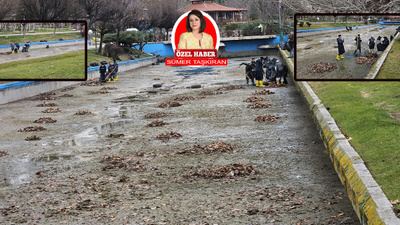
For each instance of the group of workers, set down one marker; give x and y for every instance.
(15, 47)
(381, 46)
(275, 71)
(111, 74)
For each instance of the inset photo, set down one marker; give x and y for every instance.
(43, 50)
(347, 47)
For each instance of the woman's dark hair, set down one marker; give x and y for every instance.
(202, 20)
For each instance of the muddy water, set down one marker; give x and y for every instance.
(64, 179)
(322, 47)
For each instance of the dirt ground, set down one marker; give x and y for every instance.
(107, 167)
(39, 51)
(322, 47)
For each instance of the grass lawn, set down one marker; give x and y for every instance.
(326, 25)
(93, 57)
(65, 66)
(37, 38)
(390, 68)
(369, 112)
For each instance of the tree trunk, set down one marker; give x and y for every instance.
(24, 29)
(101, 43)
(117, 39)
(55, 27)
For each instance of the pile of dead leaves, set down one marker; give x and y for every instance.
(47, 104)
(31, 129)
(115, 135)
(117, 162)
(273, 84)
(269, 118)
(216, 147)
(108, 88)
(100, 92)
(46, 96)
(230, 87)
(254, 99)
(32, 138)
(263, 92)
(66, 95)
(187, 98)
(92, 83)
(259, 105)
(322, 67)
(156, 123)
(368, 59)
(45, 120)
(51, 110)
(157, 115)
(3, 153)
(82, 112)
(203, 93)
(227, 171)
(67, 89)
(169, 104)
(168, 135)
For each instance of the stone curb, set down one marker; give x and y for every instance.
(367, 198)
(378, 64)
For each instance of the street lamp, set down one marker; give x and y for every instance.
(280, 23)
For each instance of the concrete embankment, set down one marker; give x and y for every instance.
(366, 196)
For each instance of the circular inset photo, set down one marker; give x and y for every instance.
(195, 30)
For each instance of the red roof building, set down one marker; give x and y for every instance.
(219, 13)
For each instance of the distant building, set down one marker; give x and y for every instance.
(221, 14)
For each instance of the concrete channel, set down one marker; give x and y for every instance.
(67, 176)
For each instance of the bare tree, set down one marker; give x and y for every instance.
(125, 13)
(6, 8)
(45, 9)
(163, 13)
(104, 23)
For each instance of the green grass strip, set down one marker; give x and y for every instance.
(65, 66)
(390, 68)
(37, 38)
(326, 25)
(367, 112)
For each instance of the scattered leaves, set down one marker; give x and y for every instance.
(395, 202)
(263, 92)
(45, 120)
(259, 105)
(100, 92)
(117, 162)
(322, 67)
(203, 93)
(66, 95)
(368, 59)
(67, 89)
(269, 118)
(230, 87)
(187, 98)
(156, 123)
(47, 104)
(3, 153)
(216, 147)
(33, 138)
(169, 104)
(227, 171)
(83, 112)
(168, 135)
(30, 129)
(115, 135)
(254, 99)
(157, 115)
(51, 110)
(92, 83)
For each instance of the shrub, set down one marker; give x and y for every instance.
(301, 24)
(232, 26)
(308, 23)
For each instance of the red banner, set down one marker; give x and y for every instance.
(195, 53)
(196, 62)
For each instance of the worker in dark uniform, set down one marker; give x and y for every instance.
(358, 44)
(259, 73)
(371, 44)
(103, 70)
(341, 50)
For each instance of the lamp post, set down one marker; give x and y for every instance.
(280, 23)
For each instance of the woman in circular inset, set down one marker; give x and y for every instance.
(195, 38)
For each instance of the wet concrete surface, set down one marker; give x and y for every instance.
(322, 47)
(39, 51)
(64, 178)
